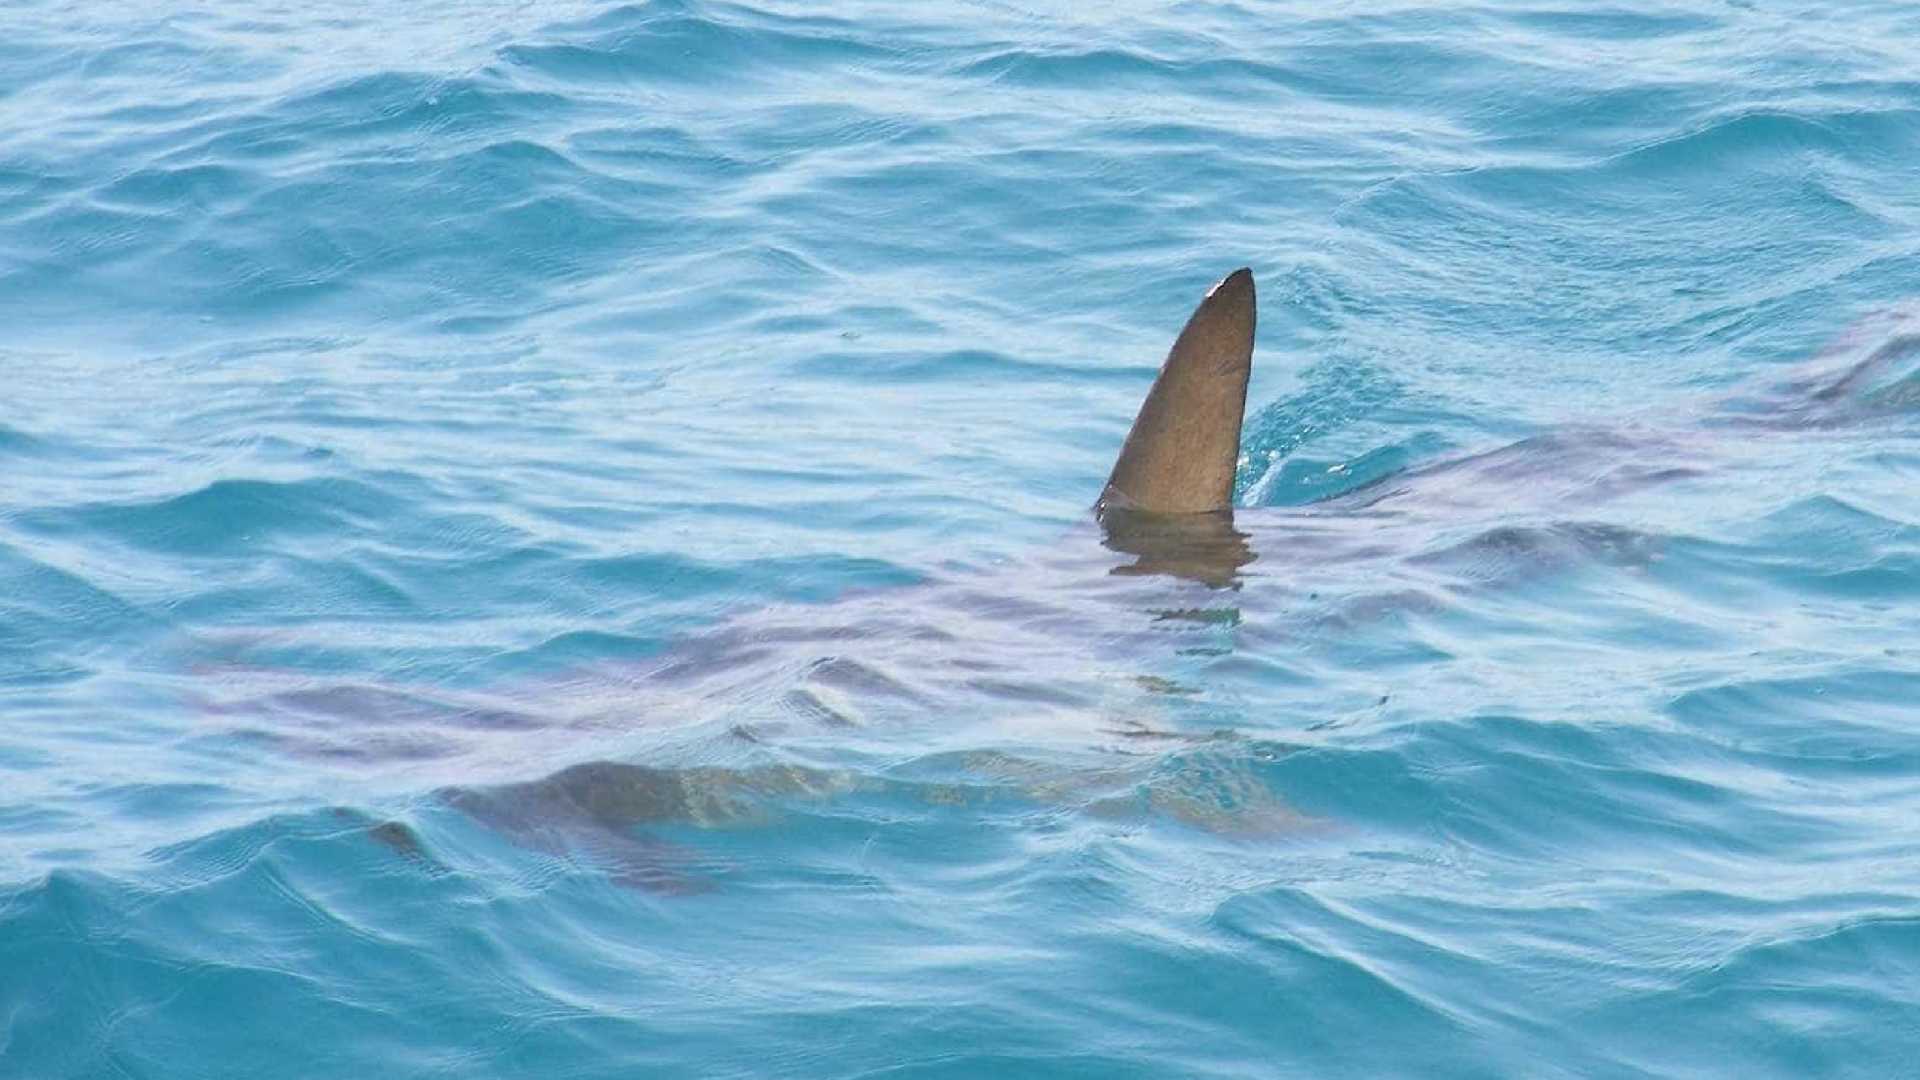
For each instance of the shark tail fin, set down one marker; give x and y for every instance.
(1182, 453)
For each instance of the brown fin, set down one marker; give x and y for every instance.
(1185, 444)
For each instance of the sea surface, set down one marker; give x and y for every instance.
(551, 540)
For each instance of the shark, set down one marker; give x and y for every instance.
(1055, 642)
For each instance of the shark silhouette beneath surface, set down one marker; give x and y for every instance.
(1162, 569)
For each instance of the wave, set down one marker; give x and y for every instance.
(554, 540)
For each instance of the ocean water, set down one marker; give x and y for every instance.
(551, 540)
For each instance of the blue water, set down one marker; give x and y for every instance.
(551, 541)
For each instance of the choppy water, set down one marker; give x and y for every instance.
(549, 540)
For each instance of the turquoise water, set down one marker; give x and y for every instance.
(551, 541)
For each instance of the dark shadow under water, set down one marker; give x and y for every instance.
(1048, 637)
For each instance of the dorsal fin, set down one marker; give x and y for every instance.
(1181, 454)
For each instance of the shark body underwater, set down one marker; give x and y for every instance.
(1068, 647)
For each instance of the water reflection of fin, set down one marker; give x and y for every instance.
(1181, 455)
(1199, 547)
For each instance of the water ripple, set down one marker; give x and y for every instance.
(553, 539)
